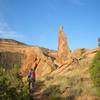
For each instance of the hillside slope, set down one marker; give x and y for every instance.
(72, 81)
(30, 53)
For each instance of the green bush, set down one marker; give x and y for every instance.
(12, 88)
(52, 90)
(56, 98)
(8, 59)
(98, 42)
(12, 92)
(95, 72)
(82, 51)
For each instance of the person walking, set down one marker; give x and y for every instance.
(31, 78)
(32, 74)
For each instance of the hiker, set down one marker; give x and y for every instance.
(31, 74)
(31, 77)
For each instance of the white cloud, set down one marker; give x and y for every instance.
(7, 32)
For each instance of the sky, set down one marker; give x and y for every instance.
(37, 22)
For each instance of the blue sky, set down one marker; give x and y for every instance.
(36, 22)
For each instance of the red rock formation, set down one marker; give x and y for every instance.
(31, 53)
(63, 50)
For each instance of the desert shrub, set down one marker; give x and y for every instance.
(49, 78)
(12, 92)
(73, 92)
(9, 60)
(95, 72)
(82, 51)
(52, 90)
(7, 92)
(75, 87)
(73, 80)
(71, 97)
(51, 97)
(12, 88)
(10, 74)
(98, 42)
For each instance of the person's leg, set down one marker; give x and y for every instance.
(30, 86)
(33, 82)
(29, 83)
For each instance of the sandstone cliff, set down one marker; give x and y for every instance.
(30, 53)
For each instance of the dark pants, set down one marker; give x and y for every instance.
(31, 83)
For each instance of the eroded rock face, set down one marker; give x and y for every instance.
(30, 54)
(44, 64)
(83, 52)
(78, 52)
(43, 68)
(63, 50)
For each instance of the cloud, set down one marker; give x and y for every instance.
(7, 32)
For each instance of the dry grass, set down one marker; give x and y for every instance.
(74, 81)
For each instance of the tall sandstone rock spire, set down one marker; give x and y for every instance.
(63, 52)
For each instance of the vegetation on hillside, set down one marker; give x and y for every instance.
(98, 42)
(95, 71)
(9, 59)
(11, 86)
(10, 90)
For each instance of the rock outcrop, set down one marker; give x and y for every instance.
(30, 54)
(49, 58)
(63, 53)
(45, 64)
(77, 53)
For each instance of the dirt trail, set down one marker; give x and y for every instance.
(36, 93)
